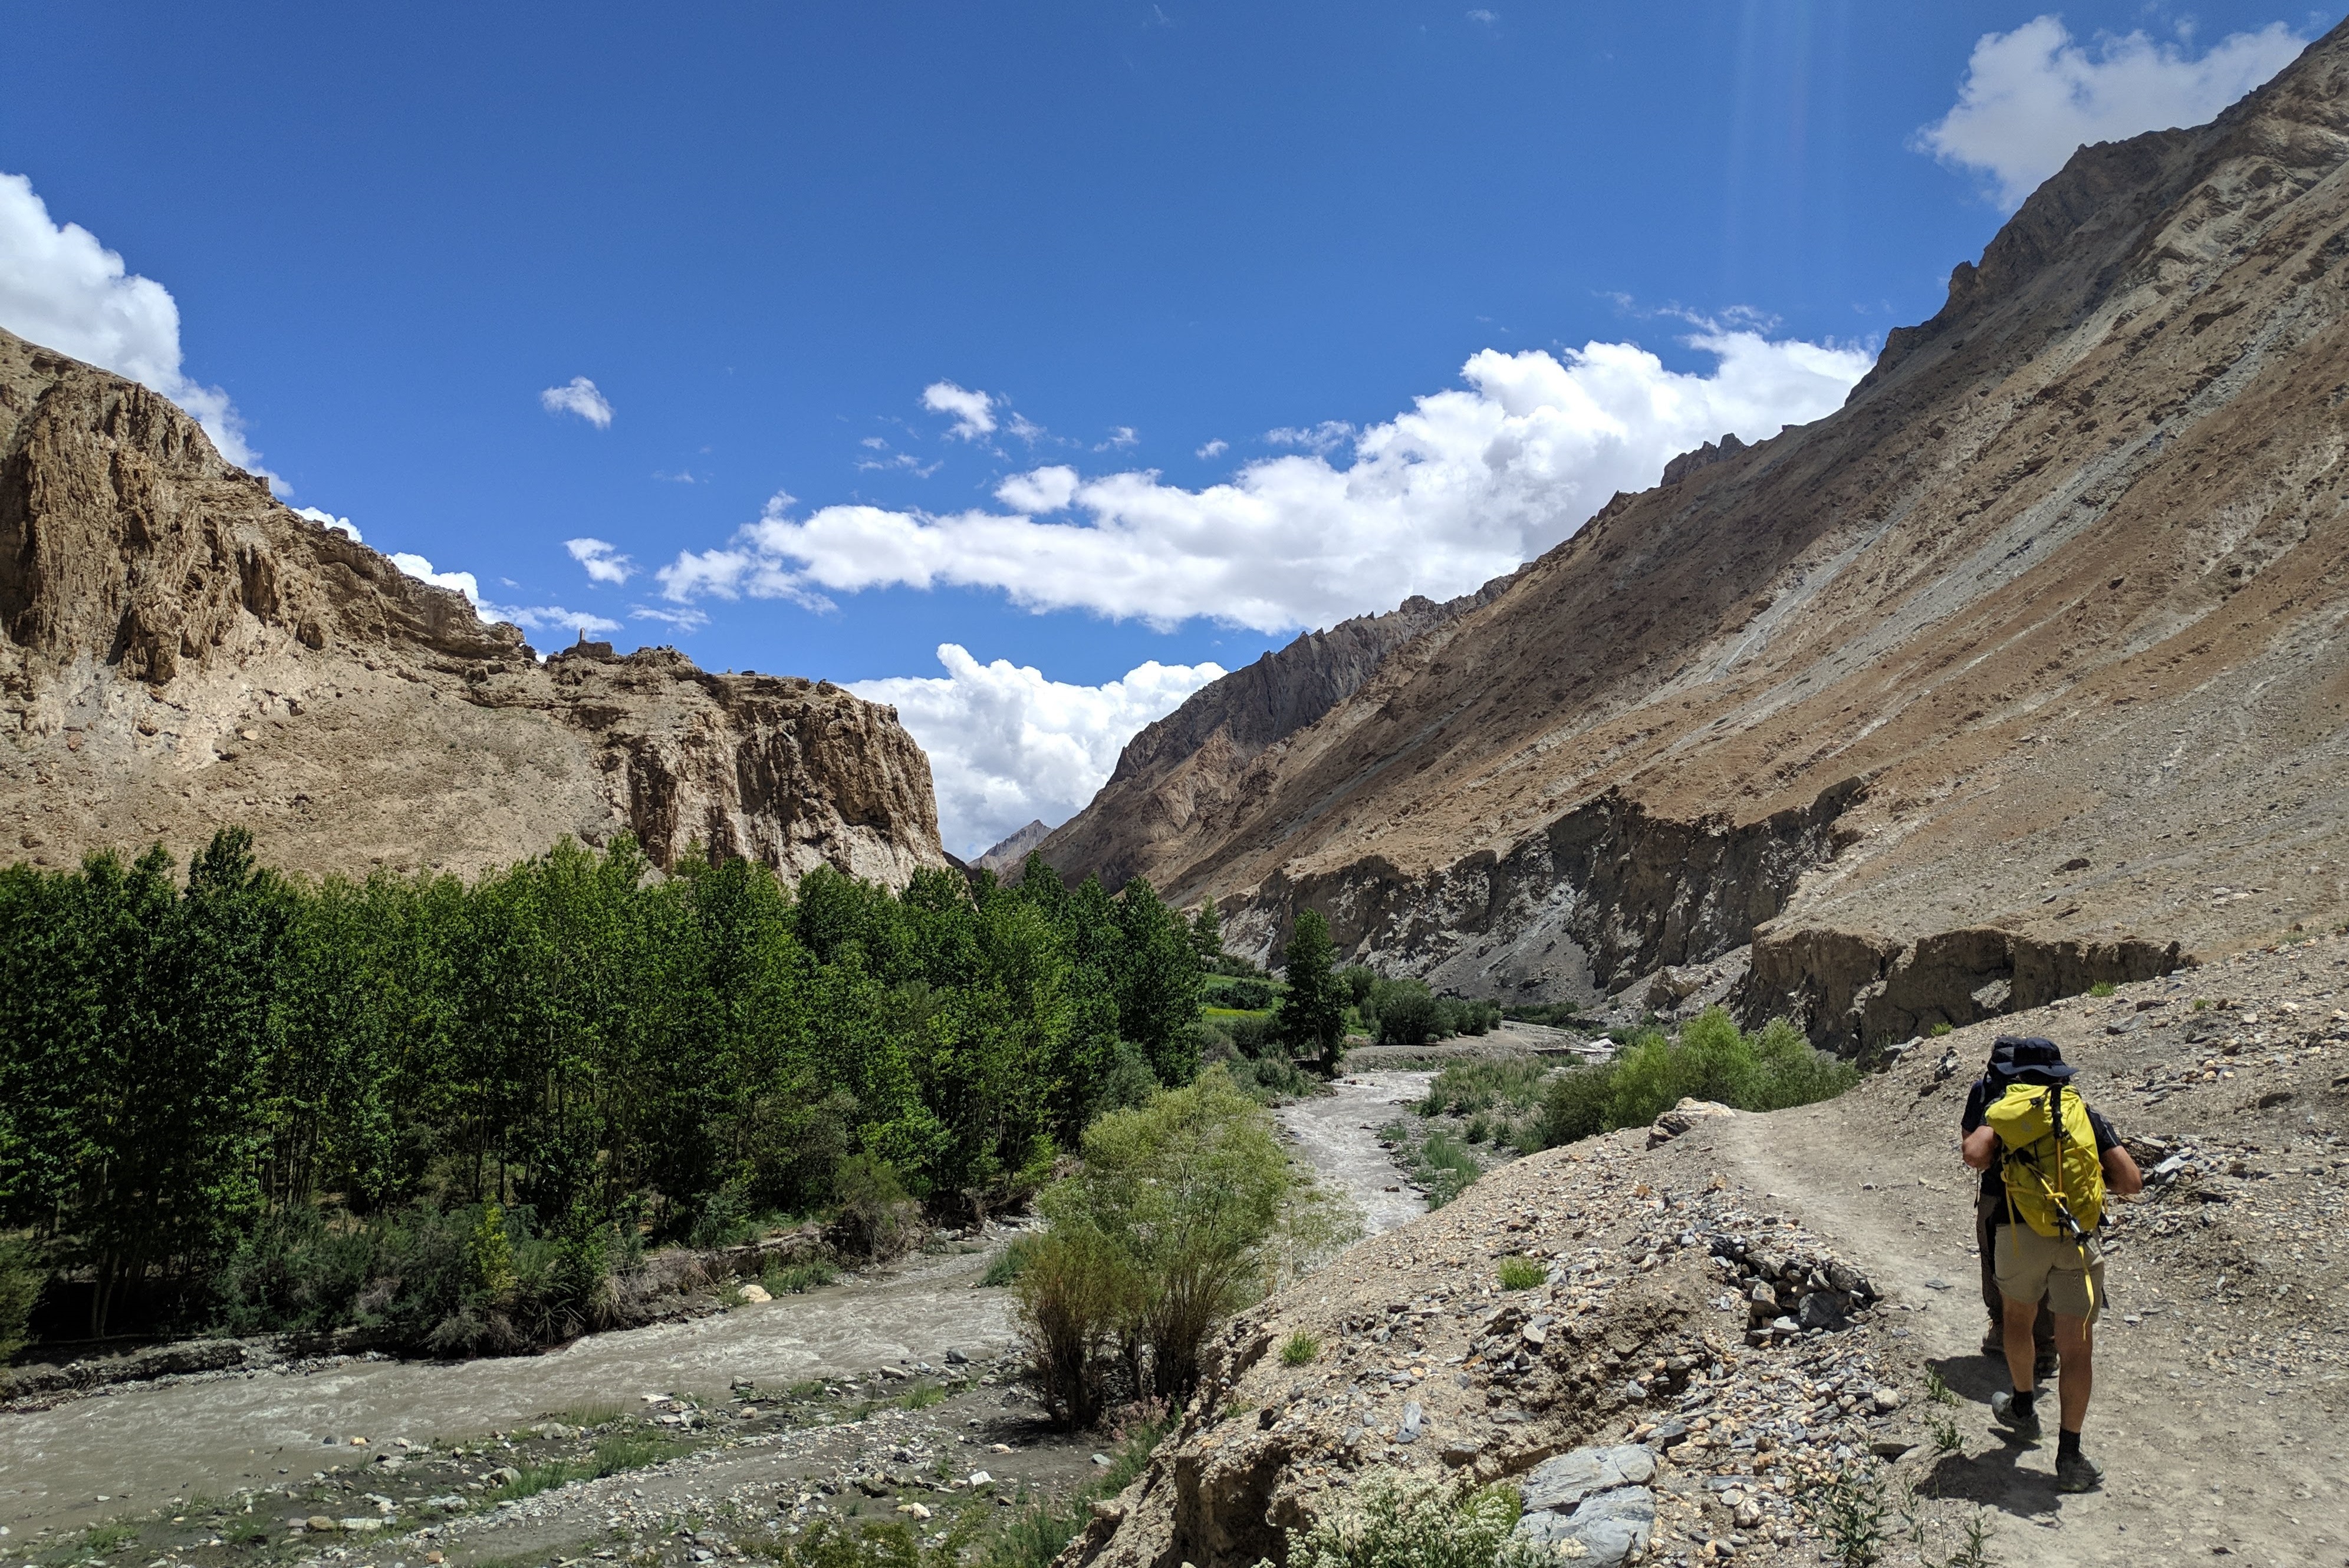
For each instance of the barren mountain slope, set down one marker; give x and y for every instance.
(2035, 640)
(1223, 743)
(182, 653)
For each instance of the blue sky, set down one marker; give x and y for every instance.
(912, 325)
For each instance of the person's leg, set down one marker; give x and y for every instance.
(2021, 1353)
(1988, 1213)
(2076, 1345)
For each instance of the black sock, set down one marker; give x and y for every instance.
(2023, 1400)
(2067, 1445)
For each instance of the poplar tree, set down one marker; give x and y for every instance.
(1312, 1016)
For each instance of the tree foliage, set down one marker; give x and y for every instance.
(574, 1049)
(1312, 1018)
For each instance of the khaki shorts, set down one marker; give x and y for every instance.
(2031, 1267)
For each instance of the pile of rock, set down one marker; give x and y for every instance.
(1594, 1504)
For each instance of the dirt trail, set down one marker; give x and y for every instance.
(143, 1443)
(1337, 1134)
(2203, 1455)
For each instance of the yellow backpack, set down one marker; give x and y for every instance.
(2054, 1178)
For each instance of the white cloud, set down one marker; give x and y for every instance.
(687, 620)
(580, 398)
(972, 412)
(1467, 485)
(2032, 96)
(1008, 746)
(420, 569)
(1324, 437)
(604, 562)
(1040, 490)
(63, 290)
(1215, 448)
(328, 520)
(1120, 438)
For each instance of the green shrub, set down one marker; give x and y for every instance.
(1182, 1213)
(19, 1290)
(1522, 1274)
(1771, 1069)
(798, 1279)
(1465, 1087)
(1252, 1037)
(1005, 1266)
(1414, 1521)
(2102, 989)
(1250, 995)
(1299, 1349)
(1407, 1012)
(1444, 1168)
(876, 1219)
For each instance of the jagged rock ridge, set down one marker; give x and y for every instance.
(182, 652)
(2045, 620)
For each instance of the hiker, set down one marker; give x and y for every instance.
(2055, 1158)
(1990, 1213)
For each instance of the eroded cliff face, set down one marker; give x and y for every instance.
(2062, 586)
(181, 653)
(1200, 768)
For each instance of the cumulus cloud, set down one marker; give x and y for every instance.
(581, 398)
(1214, 449)
(604, 562)
(1008, 746)
(973, 412)
(2032, 96)
(1040, 490)
(63, 290)
(1467, 485)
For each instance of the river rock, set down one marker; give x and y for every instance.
(1560, 1485)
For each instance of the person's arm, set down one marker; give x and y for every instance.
(1980, 1148)
(2121, 1173)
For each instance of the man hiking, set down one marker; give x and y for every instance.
(2055, 1158)
(1989, 1214)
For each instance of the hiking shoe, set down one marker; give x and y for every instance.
(1994, 1346)
(2043, 1371)
(2003, 1411)
(2078, 1472)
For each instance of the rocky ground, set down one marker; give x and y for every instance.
(1847, 1404)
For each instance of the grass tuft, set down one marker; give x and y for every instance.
(1301, 1349)
(1522, 1274)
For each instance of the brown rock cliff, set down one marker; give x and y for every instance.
(181, 653)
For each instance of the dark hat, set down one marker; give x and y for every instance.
(2033, 1056)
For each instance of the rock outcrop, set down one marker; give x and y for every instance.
(2040, 632)
(1200, 767)
(181, 653)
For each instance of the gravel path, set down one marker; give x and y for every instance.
(1337, 1134)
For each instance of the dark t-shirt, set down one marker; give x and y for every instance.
(1978, 1109)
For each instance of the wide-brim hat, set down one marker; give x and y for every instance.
(2028, 1055)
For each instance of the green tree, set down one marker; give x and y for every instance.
(1207, 934)
(1312, 1016)
(1158, 984)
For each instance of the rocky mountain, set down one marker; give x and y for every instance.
(1012, 853)
(181, 653)
(1211, 756)
(2023, 670)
